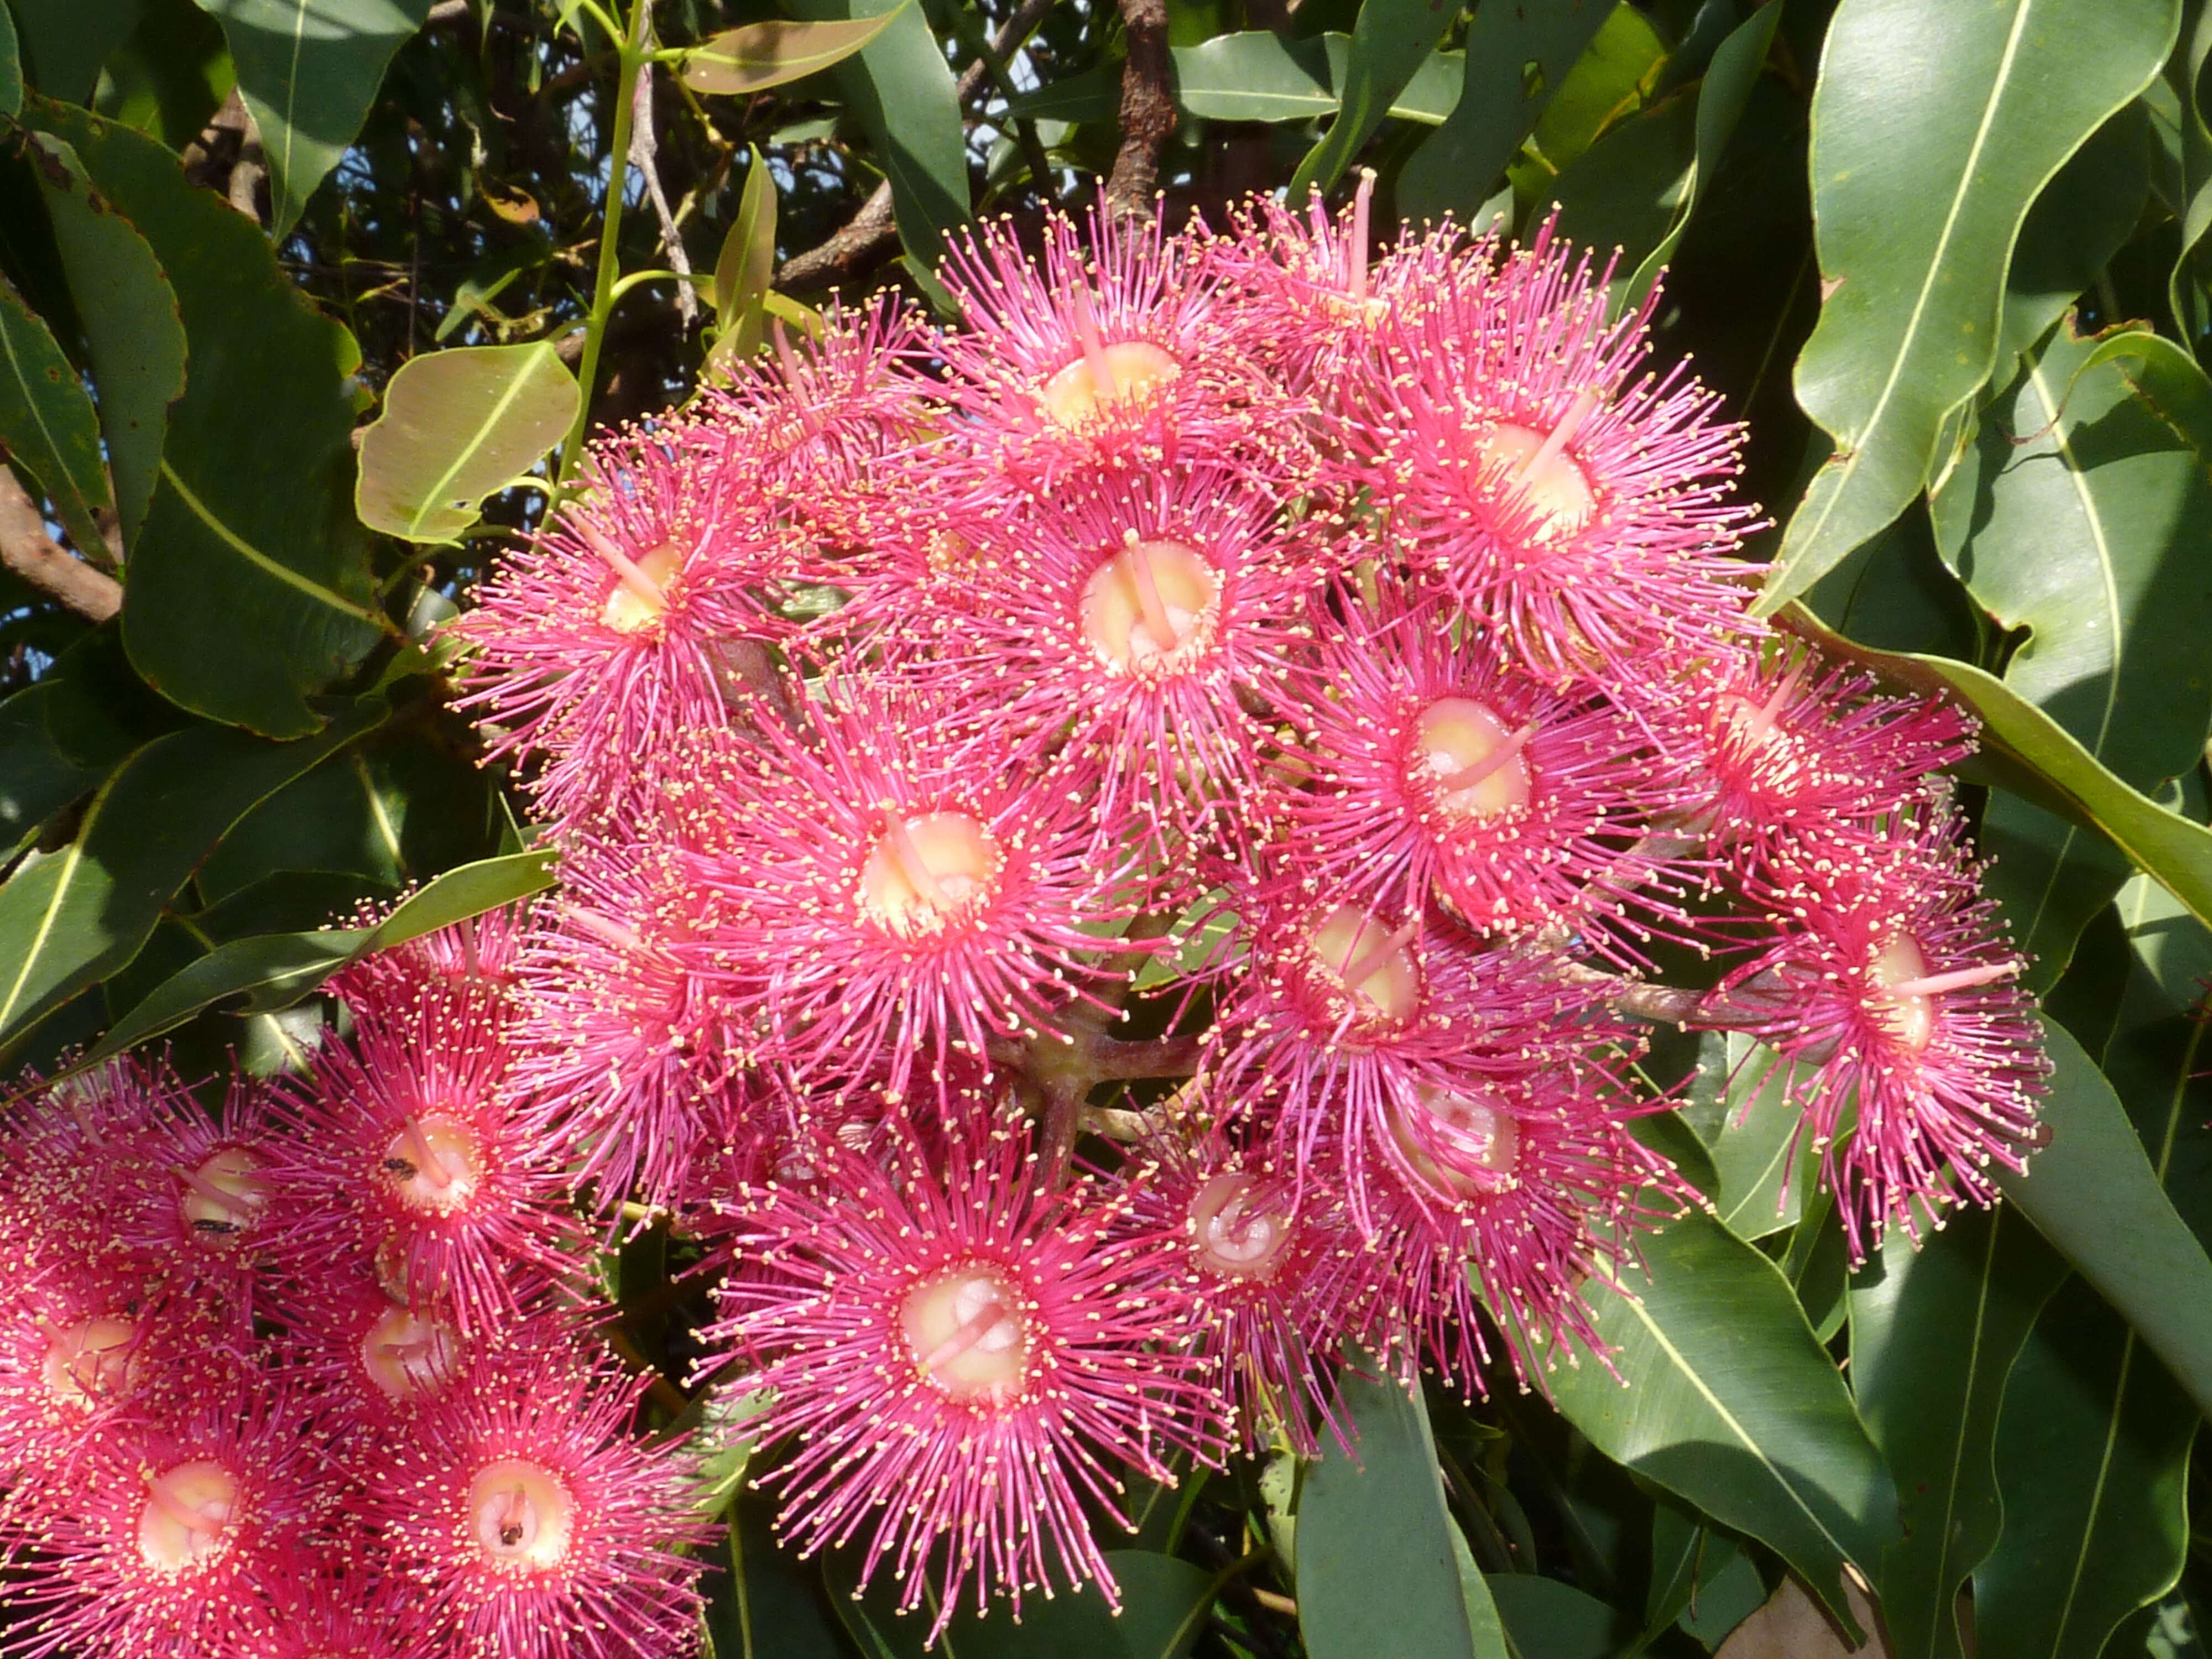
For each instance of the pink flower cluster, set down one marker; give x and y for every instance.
(315, 1377)
(1110, 858)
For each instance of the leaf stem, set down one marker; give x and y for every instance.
(629, 65)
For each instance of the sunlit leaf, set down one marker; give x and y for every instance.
(456, 425)
(741, 61)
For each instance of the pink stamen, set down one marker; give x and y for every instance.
(632, 578)
(1094, 348)
(1957, 979)
(1155, 608)
(426, 1161)
(1467, 776)
(1560, 436)
(1762, 721)
(974, 1331)
(1358, 973)
(605, 929)
(469, 963)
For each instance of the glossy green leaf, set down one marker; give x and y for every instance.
(1390, 41)
(746, 264)
(46, 421)
(1762, 1164)
(309, 70)
(1627, 189)
(901, 91)
(61, 736)
(773, 53)
(1498, 104)
(1700, 1580)
(1545, 1619)
(1730, 1403)
(1164, 1604)
(274, 970)
(1934, 1330)
(1935, 126)
(2184, 289)
(456, 426)
(71, 916)
(1254, 75)
(2043, 761)
(65, 41)
(1722, 95)
(171, 76)
(2091, 1459)
(133, 332)
(1376, 1533)
(250, 585)
(2153, 1271)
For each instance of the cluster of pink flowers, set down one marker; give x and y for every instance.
(315, 1376)
(1109, 859)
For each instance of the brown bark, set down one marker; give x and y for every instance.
(1148, 112)
(27, 549)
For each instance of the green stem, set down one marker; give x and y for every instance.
(630, 60)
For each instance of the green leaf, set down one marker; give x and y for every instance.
(133, 332)
(2041, 760)
(46, 421)
(2092, 1462)
(2183, 288)
(63, 734)
(1390, 40)
(458, 425)
(1763, 1164)
(169, 78)
(1723, 96)
(1700, 1580)
(1731, 1403)
(274, 970)
(1934, 1330)
(12, 67)
(1548, 1619)
(1500, 102)
(742, 61)
(901, 90)
(1376, 1533)
(1254, 75)
(73, 916)
(1934, 128)
(309, 70)
(65, 41)
(746, 265)
(2153, 1270)
(1164, 1604)
(250, 585)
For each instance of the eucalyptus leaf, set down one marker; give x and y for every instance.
(65, 41)
(1390, 41)
(456, 426)
(775, 52)
(1935, 127)
(46, 421)
(1718, 1391)
(746, 264)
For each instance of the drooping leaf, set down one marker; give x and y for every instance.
(745, 265)
(1390, 40)
(2041, 760)
(1500, 102)
(775, 52)
(2093, 1460)
(901, 91)
(250, 585)
(133, 332)
(457, 425)
(72, 916)
(1376, 1533)
(46, 421)
(309, 70)
(2153, 1271)
(1730, 1401)
(1934, 128)
(12, 67)
(1700, 1580)
(65, 41)
(275, 970)
(1724, 92)
(1934, 1330)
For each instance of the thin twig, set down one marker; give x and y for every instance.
(27, 549)
(644, 150)
(1148, 112)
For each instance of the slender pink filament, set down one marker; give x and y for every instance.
(206, 1188)
(632, 578)
(1560, 436)
(1149, 601)
(606, 930)
(969, 1334)
(1957, 979)
(1467, 776)
(1364, 968)
(426, 1161)
(1094, 348)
